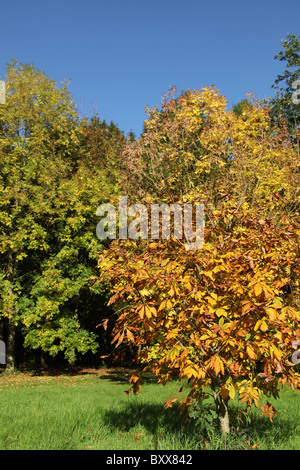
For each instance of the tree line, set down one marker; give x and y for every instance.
(56, 167)
(54, 170)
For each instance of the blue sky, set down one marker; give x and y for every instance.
(124, 55)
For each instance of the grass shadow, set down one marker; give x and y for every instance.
(272, 435)
(122, 376)
(119, 374)
(259, 433)
(162, 427)
(152, 417)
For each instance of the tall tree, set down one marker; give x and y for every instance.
(38, 130)
(286, 103)
(49, 193)
(216, 314)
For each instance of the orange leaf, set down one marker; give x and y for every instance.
(169, 402)
(130, 335)
(217, 365)
(137, 387)
(140, 310)
(224, 393)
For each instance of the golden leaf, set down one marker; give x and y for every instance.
(258, 288)
(251, 353)
(263, 326)
(220, 312)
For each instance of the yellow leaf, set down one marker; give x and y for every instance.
(272, 314)
(209, 274)
(263, 326)
(164, 262)
(231, 391)
(257, 325)
(246, 307)
(165, 304)
(187, 285)
(220, 312)
(199, 295)
(148, 311)
(171, 292)
(211, 300)
(173, 353)
(162, 305)
(258, 288)
(277, 303)
(190, 371)
(204, 337)
(276, 352)
(268, 295)
(251, 353)
(153, 245)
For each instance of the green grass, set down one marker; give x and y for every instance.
(91, 411)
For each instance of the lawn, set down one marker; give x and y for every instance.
(89, 410)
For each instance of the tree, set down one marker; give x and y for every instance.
(38, 128)
(214, 316)
(286, 103)
(51, 184)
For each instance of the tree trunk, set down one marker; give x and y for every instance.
(223, 415)
(222, 411)
(11, 311)
(10, 347)
(43, 360)
(1, 328)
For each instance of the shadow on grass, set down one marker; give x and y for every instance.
(122, 376)
(282, 433)
(119, 374)
(244, 435)
(151, 416)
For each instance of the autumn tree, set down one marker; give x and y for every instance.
(49, 192)
(214, 316)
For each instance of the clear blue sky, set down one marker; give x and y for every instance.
(123, 55)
